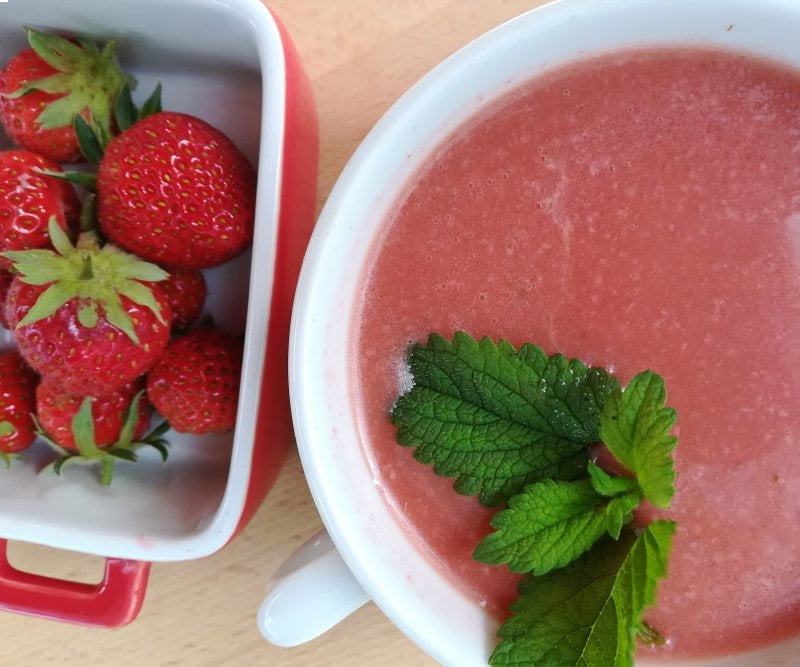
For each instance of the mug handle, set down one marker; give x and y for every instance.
(309, 594)
(114, 602)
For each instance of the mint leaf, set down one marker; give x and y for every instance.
(589, 613)
(635, 426)
(607, 485)
(550, 524)
(619, 511)
(496, 418)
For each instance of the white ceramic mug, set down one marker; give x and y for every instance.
(382, 558)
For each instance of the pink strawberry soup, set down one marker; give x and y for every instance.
(636, 210)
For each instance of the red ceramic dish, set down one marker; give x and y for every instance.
(232, 64)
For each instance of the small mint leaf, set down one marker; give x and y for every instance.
(619, 511)
(7, 428)
(614, 520)
(546, 526)
(496, 418)
(635, 425)
(608, 485)
(589, 612)
(549, 524)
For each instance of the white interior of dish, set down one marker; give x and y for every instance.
(427, 607)
(214, 59)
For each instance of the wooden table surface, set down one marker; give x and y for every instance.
(361, 56)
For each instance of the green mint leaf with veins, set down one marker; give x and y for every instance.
(635, 425)
(608, 485)
(589, 613)
(497, 418)
(620, 511)
(550, 524)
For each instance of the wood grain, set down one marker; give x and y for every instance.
(361, 56)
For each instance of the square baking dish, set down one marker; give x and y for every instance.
(231, 63)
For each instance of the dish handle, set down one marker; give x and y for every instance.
(113, 602)
(309, 594)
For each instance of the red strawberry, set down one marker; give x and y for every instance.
(100, 430)
(43, 88)
(176, 191)
(185, 290)
(5, 282)
(55, 410)
(28, 200)
(195, 383)
(89, 319)
(17, 402)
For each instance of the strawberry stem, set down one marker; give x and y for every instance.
(88, 215)
(106, 471)
(86, 271)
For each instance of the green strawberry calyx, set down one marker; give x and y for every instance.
(7, 428)
(124, 449)
(95, 275)
(88, 75)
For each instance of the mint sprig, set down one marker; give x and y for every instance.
(514, 425)
(590, 612)
(497, 418)
(550, 524)
(635, 425)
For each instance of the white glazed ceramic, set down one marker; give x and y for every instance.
(212, 58)
(407, 587)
